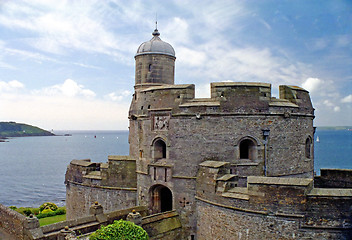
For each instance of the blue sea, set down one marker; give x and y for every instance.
(33, 168)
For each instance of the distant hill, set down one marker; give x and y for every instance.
(13, 129)
(335, 128)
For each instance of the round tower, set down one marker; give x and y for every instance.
(155, 62)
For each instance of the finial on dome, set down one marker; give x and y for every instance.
(156, 32)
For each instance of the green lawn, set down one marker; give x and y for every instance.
(50, 220)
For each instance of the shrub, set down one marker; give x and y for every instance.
(48, 213)
(24, 211)
(35, 211)
(13, 207)
(48, 205)
(120, 230)
(47, 210)
(27, 212)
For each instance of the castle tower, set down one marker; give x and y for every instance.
(155, 62)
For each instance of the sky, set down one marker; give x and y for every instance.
(69, 65)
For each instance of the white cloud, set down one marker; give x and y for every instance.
(69, 88)
(10, 86)
(337, 109)
(347, 99)
(312, 84)
(191, 57)
(119, 96)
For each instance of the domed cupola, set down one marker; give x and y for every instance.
(155, 62)
(156, 46)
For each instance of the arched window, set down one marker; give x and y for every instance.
(247, 149)
(159, 149)
(308, 147)
(150, 68)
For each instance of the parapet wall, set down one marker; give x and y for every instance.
(113, 184)
(226, 97)
(334, 178)
(287, 208)
(12, 222)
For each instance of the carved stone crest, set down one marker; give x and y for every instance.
(161, 122)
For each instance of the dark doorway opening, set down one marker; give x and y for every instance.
(166, 199)
(161, 199)
(247, 149)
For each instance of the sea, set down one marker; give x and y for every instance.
(32, 169)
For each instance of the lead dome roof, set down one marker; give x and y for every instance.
(156, 45)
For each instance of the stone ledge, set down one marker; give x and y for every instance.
(103, 187)
(233, 208)
(166, 87)
(240, 84)
(184, 177)
(120, 158)
(279, 181)
(235, 195)
(330, 192)
(82, 162)
(213, 164)
(226, 177)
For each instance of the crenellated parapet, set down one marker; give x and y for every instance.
(227, 98)
(88, 182)
(272, 202)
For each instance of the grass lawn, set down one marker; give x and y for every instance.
(50, 220)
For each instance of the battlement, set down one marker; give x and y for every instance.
(226, 98)
(291, 198)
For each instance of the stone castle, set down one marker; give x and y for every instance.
(237, 165)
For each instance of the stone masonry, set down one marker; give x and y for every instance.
(237, 165)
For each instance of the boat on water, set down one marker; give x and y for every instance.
(318, 140)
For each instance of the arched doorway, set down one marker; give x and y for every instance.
(247, 149)
(159, 149)
(160, 199)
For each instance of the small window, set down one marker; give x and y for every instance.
(150, 68)
(308, 148)
(159, 149)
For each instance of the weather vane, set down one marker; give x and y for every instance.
(156, 20)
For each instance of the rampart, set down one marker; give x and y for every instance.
(88, 182)
(269, 207)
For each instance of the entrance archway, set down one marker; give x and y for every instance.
(160, 199)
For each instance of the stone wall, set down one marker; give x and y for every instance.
(80, 197)
(154, 68)
(269, 207)
(334, 178)
(12, 222)
(112, 184)
(220, 223)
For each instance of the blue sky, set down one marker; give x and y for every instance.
(70, 64)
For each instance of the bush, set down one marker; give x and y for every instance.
(48, 205)
(27, 212)
(47, 210)
(24, 211)
(120, 230)
(48, 213)
(35, 211)
(13, 207)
